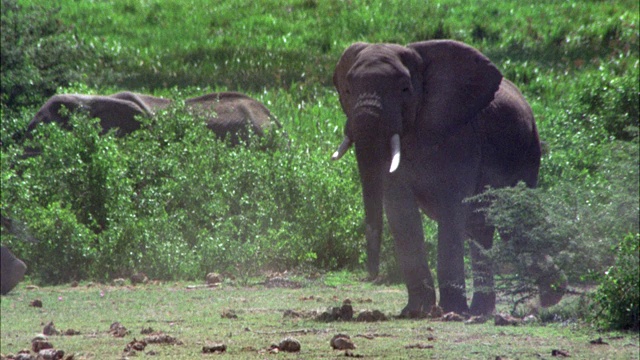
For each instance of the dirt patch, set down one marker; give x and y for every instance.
(139, 278)
(214, 279)
(506, 320)
(229, 314)
(342, 342)
(42, 350)
(281, 282)
(214, 349)
(346, 312)
(118, 330)
(135, 345)
(162, 338)
(419, 346)
(289, 345)
(452, 316)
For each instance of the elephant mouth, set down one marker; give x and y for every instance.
(394, 146)
(368, 104)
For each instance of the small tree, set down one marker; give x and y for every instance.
(618, 298)
(531, 238)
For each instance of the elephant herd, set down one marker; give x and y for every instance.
(226, 113)
(432, 123)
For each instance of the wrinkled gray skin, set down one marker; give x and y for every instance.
(226, 113)
(434, 123)
(12, 270)
(232, 114)
(114, 111)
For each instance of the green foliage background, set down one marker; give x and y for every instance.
(174, 202)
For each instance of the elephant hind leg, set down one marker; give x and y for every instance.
(484, 296)
(540, 267)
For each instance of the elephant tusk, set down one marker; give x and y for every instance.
(342, 149)
(395, 152)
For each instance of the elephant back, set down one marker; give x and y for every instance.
(232, 114)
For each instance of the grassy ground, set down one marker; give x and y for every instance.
(194, 316)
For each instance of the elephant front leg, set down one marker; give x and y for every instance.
(374, 237)
(451, 280)
(405, 222)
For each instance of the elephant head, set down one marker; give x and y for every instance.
(233, 114)
(13, 270)
(432, 123)
(114, 111)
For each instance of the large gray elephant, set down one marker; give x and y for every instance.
(233, 115)
(114, 111)
(434, 123)
(12, 270)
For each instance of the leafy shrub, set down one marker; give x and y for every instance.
(64, 247)
(575, 225)
(38, 52)
(531, 236)
(618, 296)
(174, 201)
(613, 100)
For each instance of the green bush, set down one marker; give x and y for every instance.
(610, 99)
(618, 296)
(531, 237)
(174, 201)
(575, 225)
(64, 248)
(39, 54)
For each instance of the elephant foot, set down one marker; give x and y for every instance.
(453, 300)
(552, 292)
(419, 304)
(483, 303)
(407, 313)
(375, 278)
(552, 283)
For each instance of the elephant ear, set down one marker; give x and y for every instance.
(458, 82)
(342, 68)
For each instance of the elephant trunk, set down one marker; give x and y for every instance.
(374, 129)
(371, 156)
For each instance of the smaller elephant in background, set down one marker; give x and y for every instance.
(12, 270)
(226, 113)
(233, 115)
(114, 111)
